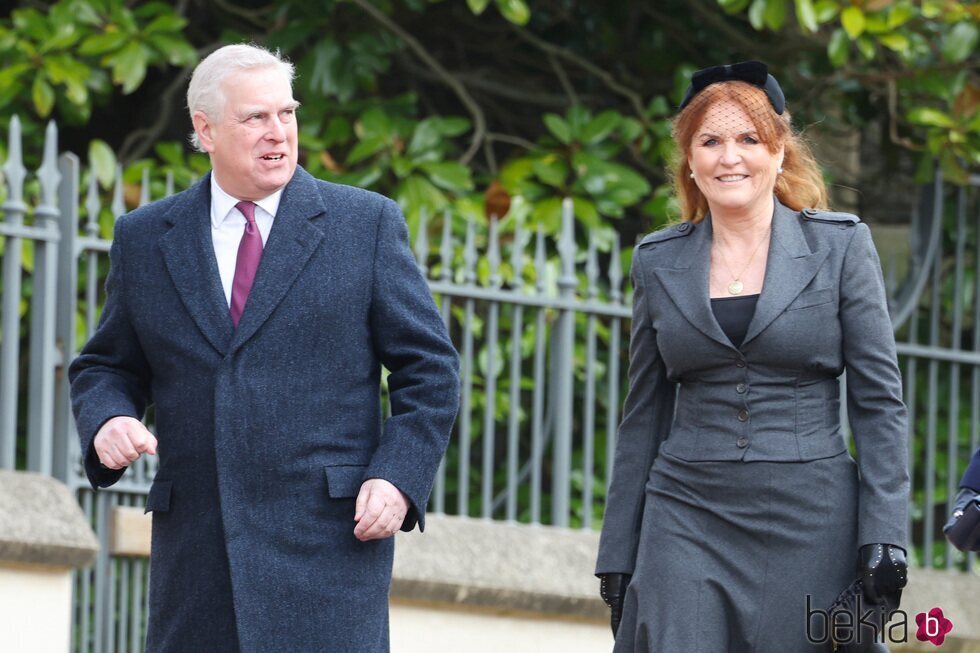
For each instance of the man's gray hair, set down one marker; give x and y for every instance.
(205, 94)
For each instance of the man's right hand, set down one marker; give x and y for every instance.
(121, 440)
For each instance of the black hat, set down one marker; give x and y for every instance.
(751, 72)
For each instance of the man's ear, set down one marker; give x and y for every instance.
(202, 127)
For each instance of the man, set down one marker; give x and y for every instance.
(255, 311)
(963, 527)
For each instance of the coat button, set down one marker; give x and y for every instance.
(742, 443)
(739, 363)
(741, 388)
(684, 226)
(743, 415)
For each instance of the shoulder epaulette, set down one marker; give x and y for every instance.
(673, 231)
(830, 217)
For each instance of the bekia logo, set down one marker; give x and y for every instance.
(862, 623)
(933, 627)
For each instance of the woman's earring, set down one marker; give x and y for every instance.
(692, 175)
(780, 170)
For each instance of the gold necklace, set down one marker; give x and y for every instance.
(736, 286)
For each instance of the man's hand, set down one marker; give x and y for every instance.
(121, 440)
(379, 511)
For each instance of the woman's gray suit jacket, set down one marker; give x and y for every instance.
(697, 397)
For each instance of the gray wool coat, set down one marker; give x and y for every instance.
(267, 431)
(697, 397)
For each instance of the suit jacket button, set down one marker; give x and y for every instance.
(742, 443)
(739, 363)
(743, 415)
(740, 388)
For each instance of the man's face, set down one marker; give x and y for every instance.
(253, 142)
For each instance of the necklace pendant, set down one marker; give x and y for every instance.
(735, 287)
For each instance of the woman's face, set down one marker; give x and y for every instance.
(734, 170)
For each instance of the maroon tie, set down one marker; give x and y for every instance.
(249, 254)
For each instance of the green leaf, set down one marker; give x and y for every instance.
(102, 43)
(166, 23)
(876, 23)
(558, 127)
(10, 75)
(586, 213)
(895, 41)
(931, 8)
(899, 15)
(173, 48)
(826, 10)
(477, 6)
(853, 21)
(733, 6)
(757, 13)
(838, 48)
(931, 117)
(366, 148)
(102, 161)
(806, 15)
(866, 47)
(600, 127)
(551, 170)
(516, 11)
(43, 95)
(452, 126)
(775, 15)
(425, 137)
(129, 66)
(960, 42)
(373, 122)
(449, 175)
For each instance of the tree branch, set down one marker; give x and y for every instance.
(479, 120)
(139, 142)
(563, 78)
(634, 98)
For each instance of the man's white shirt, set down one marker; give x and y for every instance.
(228, 226)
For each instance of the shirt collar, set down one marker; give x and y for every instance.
(222, 203)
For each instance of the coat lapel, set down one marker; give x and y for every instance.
(291, 242)
(686, 281)
(189, 257)
(790, 267)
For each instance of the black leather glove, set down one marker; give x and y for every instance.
(965, 536)
(963, 499)
(612, 589)
(884, 573)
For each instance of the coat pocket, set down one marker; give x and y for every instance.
(158, 500)
(812, 298)
(344, 481)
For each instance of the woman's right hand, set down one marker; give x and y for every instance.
(612, 589)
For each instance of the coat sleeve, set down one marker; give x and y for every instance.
(971, 479)
(875, 409)
(647, 416)
(423, 382)
(110, 377)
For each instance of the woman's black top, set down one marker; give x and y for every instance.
(734, 314)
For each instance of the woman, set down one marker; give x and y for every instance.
(735, 513)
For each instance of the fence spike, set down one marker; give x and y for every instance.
(145, 187)
(422, 242)
(592, 268)
(517, 255)
(446, 246)
(469, 253)
(566, 249)
(615, 272)
(493, 253)
(14, 169)
(539, 261)
(169, 184)
(48, 174)
(118, 202)
(92, 206)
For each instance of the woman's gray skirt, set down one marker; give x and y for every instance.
(735, 556)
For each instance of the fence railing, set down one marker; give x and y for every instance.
(542, 331)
